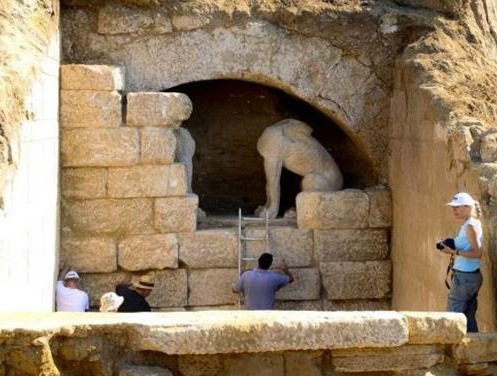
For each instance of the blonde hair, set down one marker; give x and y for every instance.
(476, 211)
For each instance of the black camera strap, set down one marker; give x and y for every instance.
(450, 271)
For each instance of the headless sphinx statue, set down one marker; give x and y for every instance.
(289, 144)
(185, 149)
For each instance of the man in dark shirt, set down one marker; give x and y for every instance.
(134, 294)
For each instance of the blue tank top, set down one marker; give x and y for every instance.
(462, 243)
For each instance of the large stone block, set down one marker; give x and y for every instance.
(477, 369)
(157, 109)
(169, 309)
(350, 245)
(212, 287)
(84, 183)
(407, 357)
(99, 147)
(201, 365)
(147, 181)
(380, 207)
(90, 109)
(171, 289)
(212, 332)
(216, 332)
(158, 146)
(299, 305)
(358, 305)
(476, 348)
(209, 249)
(356, 280)
(114, 217)
(143, 252)
(268, 364)
(328, 210)
(190, 22)
(93, 255)
(97, 284)
(91, 77)
(176, 214)
(229, 307)
(435, 327)
(304, 363)
(307, 286)
(132, 370)
(294, 245)
(117, 20)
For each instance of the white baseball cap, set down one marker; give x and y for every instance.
(110, 302)
(462, 199)
(71, 275)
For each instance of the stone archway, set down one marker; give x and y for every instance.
(342, 74)
(348, 80)
(227, 119)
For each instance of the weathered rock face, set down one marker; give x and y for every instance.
(443, 117)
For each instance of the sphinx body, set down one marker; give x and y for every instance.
(289, 144)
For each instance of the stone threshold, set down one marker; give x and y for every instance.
(218, 332)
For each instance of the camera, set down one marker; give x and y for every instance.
(449, 242)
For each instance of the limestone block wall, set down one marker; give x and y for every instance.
(29, 154)
(124, 198)
(126, 208)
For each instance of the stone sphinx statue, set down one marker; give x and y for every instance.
(288, 143)
(185, 149)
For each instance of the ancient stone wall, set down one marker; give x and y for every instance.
(443, 120)
(238, 343)
(126, 207)
(29, 150)
(335, 57)
(340, 58)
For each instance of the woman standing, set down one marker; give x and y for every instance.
(466, 253)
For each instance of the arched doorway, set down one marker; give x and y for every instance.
(228, 118)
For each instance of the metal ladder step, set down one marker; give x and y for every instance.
(249, 258)
(253, 219)
(253, 238)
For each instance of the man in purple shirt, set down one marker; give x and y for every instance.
(259, 285)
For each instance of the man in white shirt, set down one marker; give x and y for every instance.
(69, 298)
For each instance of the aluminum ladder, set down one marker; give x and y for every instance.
(242, 238)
